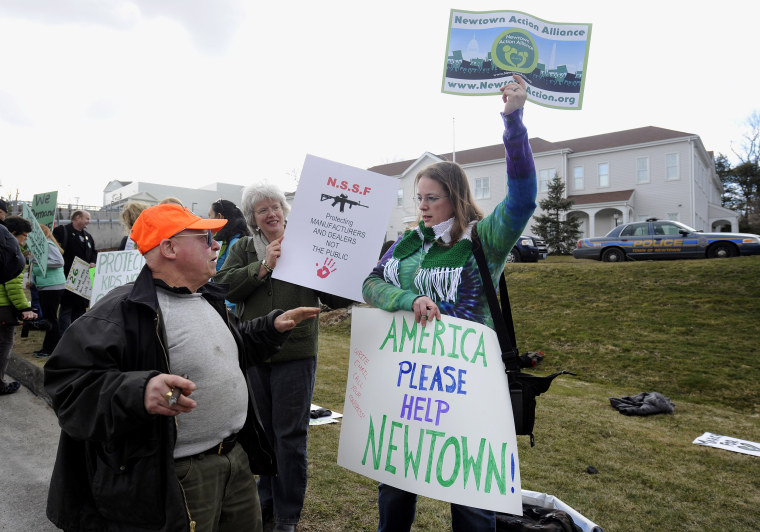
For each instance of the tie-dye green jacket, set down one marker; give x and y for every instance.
(498, 233)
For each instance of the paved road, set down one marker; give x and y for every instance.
(28, 443)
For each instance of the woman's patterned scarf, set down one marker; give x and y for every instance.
(440, 270)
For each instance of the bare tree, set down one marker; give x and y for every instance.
(749, 149)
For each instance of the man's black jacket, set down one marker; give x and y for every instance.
(114, 469)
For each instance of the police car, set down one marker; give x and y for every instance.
(665, 239)
(528, 249)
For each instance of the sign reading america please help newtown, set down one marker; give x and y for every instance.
(427, 410)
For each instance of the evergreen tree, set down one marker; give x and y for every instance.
(560, 235)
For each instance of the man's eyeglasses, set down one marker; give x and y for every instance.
(209, 236)
(429, 199)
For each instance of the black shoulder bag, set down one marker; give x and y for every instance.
(523, 388)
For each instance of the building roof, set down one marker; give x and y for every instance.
(604, 141)
(601, 197)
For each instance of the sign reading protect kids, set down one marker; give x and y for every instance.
(115, 268)
(427, 410)
(484, 49)
(336, 227)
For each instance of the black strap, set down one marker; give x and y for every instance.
(501, 314)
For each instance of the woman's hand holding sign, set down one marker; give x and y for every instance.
(514, 94)
(425, 310)
(273, 252)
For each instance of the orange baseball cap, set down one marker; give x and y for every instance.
(163, 221)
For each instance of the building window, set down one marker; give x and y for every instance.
(400, 197)
(671, 166)
(642, 170)
(482, 187)
(604, 174)
(674, 216)
(578, 178)
(544, 176)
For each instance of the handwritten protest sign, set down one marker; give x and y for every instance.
(78, 280)
(728, 443)
(336, 228)
(37, 241)
(115, 268)
(428, 410)
(485, 48)
(43, 207)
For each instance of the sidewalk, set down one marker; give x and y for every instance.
(28, 443)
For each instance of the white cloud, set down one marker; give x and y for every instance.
(11, 112)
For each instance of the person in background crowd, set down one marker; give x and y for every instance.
(171, 200)
(76, 242)
(235, 228)
(50, 287)
(32, 291)
(284, 385)
(142, 447)
(13, 305)
(129, 214)
(12, 260)
(431, 270)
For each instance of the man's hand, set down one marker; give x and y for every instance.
(290, 318)
(159, 389)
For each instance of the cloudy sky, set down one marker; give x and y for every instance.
(190, 92)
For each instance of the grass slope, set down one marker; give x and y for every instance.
(685, 329)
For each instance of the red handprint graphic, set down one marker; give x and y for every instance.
(327, 268)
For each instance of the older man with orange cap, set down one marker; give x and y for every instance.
(159, 427)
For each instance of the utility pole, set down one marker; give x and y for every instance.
(453, 139)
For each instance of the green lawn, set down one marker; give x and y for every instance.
(685, 329)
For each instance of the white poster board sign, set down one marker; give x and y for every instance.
(728, 443)
(115, 268)
(37, 242)
(336, 227)
(428, 410)
(78, 280)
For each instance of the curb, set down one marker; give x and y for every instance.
(29, 375)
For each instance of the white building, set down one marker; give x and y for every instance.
(198, 200)
(612, 178)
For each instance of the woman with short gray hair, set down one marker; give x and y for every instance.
(283, 386)
(257, 193)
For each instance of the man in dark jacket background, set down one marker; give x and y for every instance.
(126, 459)
(76, 242)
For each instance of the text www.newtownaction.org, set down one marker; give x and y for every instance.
(489, 85)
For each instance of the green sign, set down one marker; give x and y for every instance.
(37, 241)
(43, 207)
